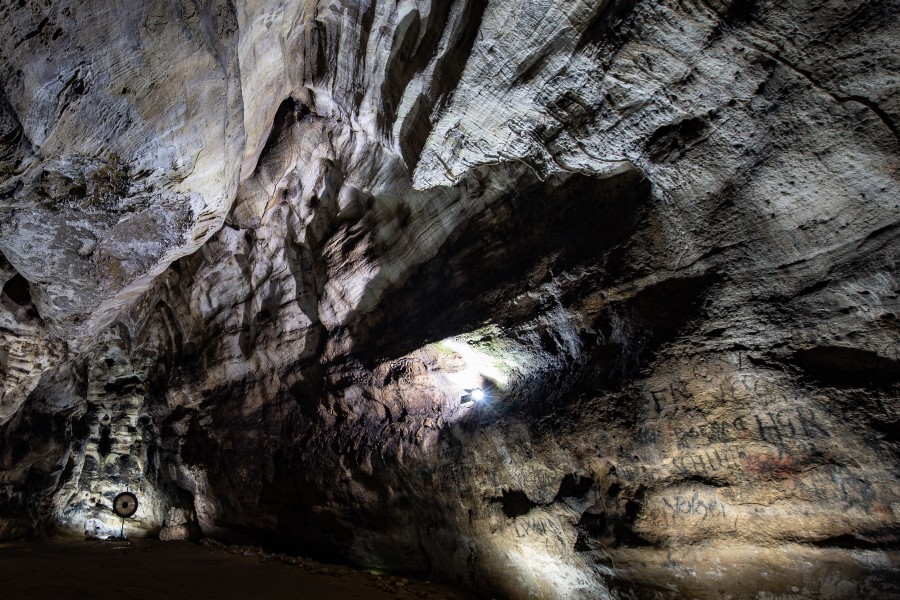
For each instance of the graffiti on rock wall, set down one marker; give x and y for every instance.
(694, 506)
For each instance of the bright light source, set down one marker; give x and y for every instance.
(478, 365)
(477, 394)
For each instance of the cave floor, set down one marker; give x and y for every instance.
(150, 569)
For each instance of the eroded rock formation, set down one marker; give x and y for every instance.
(257, 255)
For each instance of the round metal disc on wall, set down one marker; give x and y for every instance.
(125, 504)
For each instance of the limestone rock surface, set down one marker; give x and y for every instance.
(180, 525)
(175, 533)
(258, 255)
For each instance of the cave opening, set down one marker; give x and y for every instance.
(18, 290)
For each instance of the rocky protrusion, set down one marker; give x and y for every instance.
(181, 525)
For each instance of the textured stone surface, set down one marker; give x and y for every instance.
(661, 236)
(174, 533)
(122, 141)
(180, 524)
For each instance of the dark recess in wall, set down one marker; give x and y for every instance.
(577, 221)
(848, 367)
(18, 290)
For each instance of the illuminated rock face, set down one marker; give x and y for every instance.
(661, 237)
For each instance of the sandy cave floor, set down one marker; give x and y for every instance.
(59, 568)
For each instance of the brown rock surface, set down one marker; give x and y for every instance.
(662, 238)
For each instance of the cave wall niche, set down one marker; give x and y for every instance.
(659, 238)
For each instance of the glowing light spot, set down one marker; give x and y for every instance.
(477, 394)
(478, 365)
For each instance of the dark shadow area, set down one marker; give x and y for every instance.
(18, 290)
(740, 12)
(573, 486)
(887, 540)
(598, 531)
(515, 246)
(609, 25)
(670, 142)
(629, 333)
(848, 367)
(515, 503)
(33, 442)
(148, 569)
(16, 298)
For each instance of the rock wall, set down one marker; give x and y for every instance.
(259, 254)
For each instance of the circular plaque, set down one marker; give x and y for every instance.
(125, 504)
